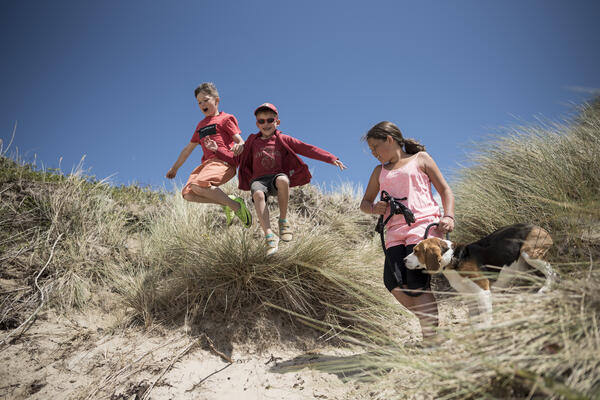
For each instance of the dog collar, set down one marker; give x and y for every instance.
(457, 258)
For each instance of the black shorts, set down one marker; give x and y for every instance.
(395, 273)
(265, 184)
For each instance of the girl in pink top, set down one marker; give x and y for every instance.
(406, 170)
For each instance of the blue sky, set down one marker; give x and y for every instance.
(114, 80)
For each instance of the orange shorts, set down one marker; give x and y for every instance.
(210, 173)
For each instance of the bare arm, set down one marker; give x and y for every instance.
(439, 183)
(185, 153)
(238, 147)
(371, 193)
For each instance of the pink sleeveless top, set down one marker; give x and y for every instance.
(410, 182)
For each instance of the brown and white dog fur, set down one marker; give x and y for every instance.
(510, 249)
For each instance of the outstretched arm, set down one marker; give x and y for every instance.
(308, 150)
(442, 187)
(185, 153)
(340, 164)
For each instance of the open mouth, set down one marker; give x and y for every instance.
(205, 109)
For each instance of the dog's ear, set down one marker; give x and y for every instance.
(433, 259)
(443, 247)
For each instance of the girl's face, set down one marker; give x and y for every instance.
(382, 149)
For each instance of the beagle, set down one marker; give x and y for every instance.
(509, 250)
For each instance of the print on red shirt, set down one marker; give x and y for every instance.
(267, 157)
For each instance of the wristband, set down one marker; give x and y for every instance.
(449, 216)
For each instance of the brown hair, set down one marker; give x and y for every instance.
(385, 128)
(207, 88)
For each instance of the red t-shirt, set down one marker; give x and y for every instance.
(221, 128)
(267, 157)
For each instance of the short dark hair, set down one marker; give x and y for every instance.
(208, 88)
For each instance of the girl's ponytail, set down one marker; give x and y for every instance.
(411, 146)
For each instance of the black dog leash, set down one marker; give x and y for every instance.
(396, 207)
(427, 231)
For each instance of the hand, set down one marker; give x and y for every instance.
(171, 173)
(210, 144)
(340, 164)
(237, 149)
(446, 224)
(380, 207)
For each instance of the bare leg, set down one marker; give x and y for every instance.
(424, 307)
(262, 211)
(211, 194)
(195, 198)
(282, 183)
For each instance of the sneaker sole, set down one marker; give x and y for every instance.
(228, 215)
(248, 223)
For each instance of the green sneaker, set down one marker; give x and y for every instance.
(243, 214)
(228, 214)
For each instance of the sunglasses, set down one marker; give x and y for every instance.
(268, 120)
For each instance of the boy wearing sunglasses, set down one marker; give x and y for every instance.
(219, 135)
(270, 165)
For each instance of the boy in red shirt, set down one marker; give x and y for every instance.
(219, 135)
(269, 165)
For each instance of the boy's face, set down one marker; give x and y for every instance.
(267, 122)
(208, 104)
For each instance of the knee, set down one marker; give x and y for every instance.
(258, 196)
(282, 182)
(198, 190)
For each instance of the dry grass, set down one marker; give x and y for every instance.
(171, 261)
(79, 224)
(63, 238)
(197, 266)
(547, 175)
(546, 347)
(540, 346)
